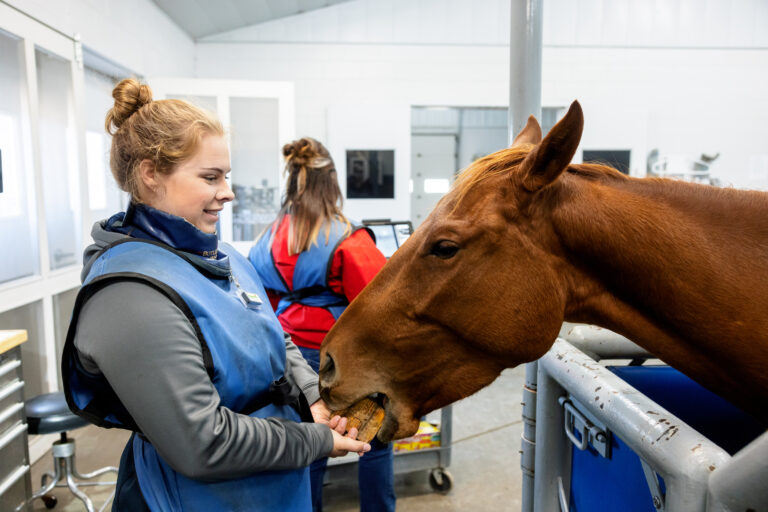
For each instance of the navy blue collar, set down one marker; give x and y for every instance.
(142, 221)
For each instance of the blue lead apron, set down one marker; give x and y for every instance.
(310, 276)
(243, 358)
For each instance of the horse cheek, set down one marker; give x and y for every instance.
(528, 314)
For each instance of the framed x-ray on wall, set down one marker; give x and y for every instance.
(370, 173)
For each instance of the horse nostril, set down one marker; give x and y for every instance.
(328, 368)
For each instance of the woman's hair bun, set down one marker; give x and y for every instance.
(300, 152)
(129, 97)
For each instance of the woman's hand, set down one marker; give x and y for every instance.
(342, 445)
(321, 414)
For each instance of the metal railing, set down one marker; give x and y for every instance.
(699, 475)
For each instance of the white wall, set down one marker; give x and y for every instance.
(135, 34)
(643, 23)
(379, 78)
(482, 132)
(381, 127)
(686, 76)
(681, 101)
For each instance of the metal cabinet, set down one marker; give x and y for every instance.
(15, 484)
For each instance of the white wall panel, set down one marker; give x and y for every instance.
(681, 101)
(672, 75)
(136, 34)
(607, 23)
(324, 26)
(380, 17)
(759, 24)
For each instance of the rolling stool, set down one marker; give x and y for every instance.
(49, 414)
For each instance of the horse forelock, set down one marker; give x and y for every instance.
(483, 169)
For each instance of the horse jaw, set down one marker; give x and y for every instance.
(403, 416)
(399, 422)
(412, 394)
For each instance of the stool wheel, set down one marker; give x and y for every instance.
(49, 501)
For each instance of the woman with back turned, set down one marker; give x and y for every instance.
(172, 338)
(313, 262)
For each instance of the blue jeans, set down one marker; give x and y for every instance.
(375, 476)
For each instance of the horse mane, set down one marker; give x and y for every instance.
(698, 197)
(502, 162)
(676, 191)
(596, 172)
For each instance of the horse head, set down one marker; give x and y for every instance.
(474, 290)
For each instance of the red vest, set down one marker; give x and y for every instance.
(354, 264)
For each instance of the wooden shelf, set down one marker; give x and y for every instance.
(12, 338)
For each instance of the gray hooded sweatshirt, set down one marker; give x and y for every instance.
(148, 351)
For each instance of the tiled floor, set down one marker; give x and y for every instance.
(485, 460)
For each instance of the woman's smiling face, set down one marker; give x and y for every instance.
(197, 189)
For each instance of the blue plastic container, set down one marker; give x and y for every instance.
(618, 484)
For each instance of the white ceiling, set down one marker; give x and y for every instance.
(200, 18)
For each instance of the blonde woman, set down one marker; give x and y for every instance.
(313, 262)
(172, 336)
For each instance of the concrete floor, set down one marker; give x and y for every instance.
(485, 460)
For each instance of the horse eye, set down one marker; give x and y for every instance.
(444, 249)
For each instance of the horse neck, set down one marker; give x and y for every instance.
(674, 266)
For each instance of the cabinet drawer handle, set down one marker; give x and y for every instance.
(12, 478)
(11, 411)
(12, 434)
(11, 388)
(10, 365)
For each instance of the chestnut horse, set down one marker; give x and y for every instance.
(526, 240)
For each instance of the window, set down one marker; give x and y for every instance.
(104, 196)
(58, 157)
(18, 219)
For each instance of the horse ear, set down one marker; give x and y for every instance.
(530, 134)
(549, 159)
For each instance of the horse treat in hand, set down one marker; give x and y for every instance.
(366, 416)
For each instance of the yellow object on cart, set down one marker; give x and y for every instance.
(428, 436)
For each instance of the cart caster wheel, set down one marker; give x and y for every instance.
(440, 480)
(49, 501)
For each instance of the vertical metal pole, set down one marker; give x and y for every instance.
(524, 64)
(553, 449)
(528, 440)
(524, 100)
